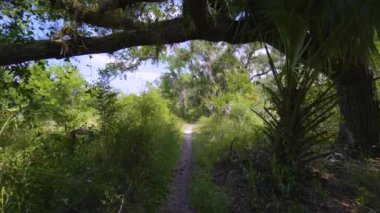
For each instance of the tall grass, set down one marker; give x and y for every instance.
(127, 168)
(217, 138)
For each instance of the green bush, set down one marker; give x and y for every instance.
(220, 133)
(206, 196)
(217, 138)
(46, 176)
(130, 168)
(146, 144)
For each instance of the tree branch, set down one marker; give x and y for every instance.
(199, 13)
(163, 32)
(103, 15)
(260, 74)
(114, 4)
(166, 32)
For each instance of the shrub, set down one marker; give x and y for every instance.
(129, 169)
(219, 138)
(145, 145)
(294, 128)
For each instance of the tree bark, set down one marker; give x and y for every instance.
(359, 106)
(165, 32)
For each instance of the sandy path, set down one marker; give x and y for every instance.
(179, 198)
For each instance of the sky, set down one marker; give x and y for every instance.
(133, 83)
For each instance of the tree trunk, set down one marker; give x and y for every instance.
(359, 107)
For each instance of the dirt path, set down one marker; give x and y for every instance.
(179, 198)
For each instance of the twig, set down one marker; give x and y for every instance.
(6, 123)
(260, 74)
(231, 145)
(121, 205)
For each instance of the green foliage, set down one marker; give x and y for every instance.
(23, 21)
(332, 25)
(127, 164)
(206, 196)
(151, 147)
(12, 102)
(105, 101)
(294, 123)
(217, 139)
(294, 131)
(54, 96)
(46, 176)
(220, 132)
(33, 157)
(294, 118)
(214, 69)
(59, 93)
(182, 95)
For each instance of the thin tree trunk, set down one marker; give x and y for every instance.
(359, 107)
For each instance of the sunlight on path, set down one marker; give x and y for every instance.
(189, 129)
(179, 198)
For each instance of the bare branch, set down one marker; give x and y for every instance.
(260, 74)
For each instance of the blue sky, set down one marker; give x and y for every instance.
(134, 83)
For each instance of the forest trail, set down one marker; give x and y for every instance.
(179, 197)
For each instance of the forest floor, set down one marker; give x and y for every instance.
(179, 197)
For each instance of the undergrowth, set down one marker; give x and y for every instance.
(206, 196)
(219, 138)
(127, 168)
(354, 182)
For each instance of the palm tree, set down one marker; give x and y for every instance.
(340, 37)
